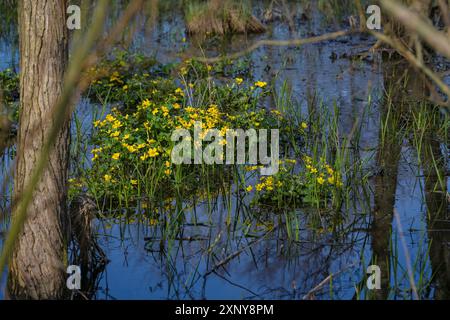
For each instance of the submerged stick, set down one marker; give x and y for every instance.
(411, 20)
(278, 43)
(407, 256)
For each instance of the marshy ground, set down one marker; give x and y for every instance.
(364, 165)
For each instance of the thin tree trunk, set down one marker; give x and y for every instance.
(37, 267)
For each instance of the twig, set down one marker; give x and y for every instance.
(61, 111)
(237, 253)
(319, 287)
(416, 24)
(278, 43)
(409, 56)
(407, 256)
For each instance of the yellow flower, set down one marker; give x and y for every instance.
(134, 182)
(115, 134)
(176, 106)
(152, 152)
(260, 84)
(155, 111)
(167, 172)
(125, 87)
(145, 103)
(330, 170)
(116, 156)
(276, 112)
(115, 77)
(130, 148)
(165, 111)
(167, 164)
(179, 91)
(117, 124)
(331, 180)
(190, 109)
(110, 118)
(239, 81)
(95, 157)
(320, 180)
(107, 178)
(126, 137)
(249, 188)
(259, 186)
(304, 125)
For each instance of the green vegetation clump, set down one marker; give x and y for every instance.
(131, 145)
(313, 183)
(221, 17)
(133, 156)
(9, 93)
(128, 79)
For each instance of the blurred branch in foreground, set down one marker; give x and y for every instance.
(82, 58)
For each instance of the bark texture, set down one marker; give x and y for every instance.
(37, 267)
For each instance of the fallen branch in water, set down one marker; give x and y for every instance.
(310, 294)
(237, 253)
(412, 21)
(278, 43)
(415, 62)
(61, 110)
(381, 38)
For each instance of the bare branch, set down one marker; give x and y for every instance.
(279, 43)
(411, 20)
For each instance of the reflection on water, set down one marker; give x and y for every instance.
(211, 259)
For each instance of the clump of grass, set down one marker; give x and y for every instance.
(311, 185)
(221, 17)
(337, 8)
(125, 78)
(132, 158)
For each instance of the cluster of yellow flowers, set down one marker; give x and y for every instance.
(151, 153)
(130, 136)
(268, 183)
(115, 77)
(260, 84)
(325, 174)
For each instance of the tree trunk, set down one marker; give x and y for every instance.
(37, 267)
